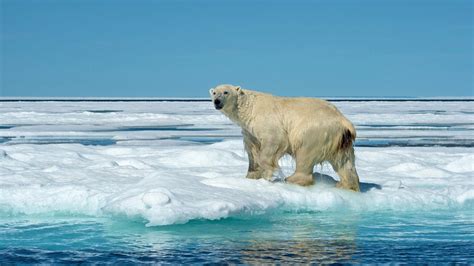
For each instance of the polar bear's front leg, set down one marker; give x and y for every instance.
(268, 160)
(254, 170)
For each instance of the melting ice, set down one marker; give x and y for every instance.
(167, 163)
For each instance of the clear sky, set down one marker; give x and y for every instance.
(183, 48)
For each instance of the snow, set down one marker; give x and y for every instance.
(167, 163)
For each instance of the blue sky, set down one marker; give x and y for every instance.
(183, 48)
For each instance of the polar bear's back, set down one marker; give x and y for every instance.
(312, 106)
(294, 109)
(301, 112)
(300, 116)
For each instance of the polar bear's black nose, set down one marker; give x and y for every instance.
(218, 104)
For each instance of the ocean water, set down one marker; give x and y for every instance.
(145, 182)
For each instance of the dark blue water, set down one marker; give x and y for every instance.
(286, 237)
(213, 136)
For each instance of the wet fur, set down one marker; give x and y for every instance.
(311, 130)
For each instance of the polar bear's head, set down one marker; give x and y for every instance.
(225, 96)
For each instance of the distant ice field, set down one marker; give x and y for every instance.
(182, 164)
(448, 124)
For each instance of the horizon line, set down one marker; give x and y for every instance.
(202, 99)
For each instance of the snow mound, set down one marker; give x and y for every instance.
(168, 185)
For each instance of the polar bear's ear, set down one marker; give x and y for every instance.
(211, 91)
(239, 90)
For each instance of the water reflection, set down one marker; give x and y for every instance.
(286, 237)
(300, 251)
(312, 237)
(308, 237)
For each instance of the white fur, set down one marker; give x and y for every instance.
(311, 130)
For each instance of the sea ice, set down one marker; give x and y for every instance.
(189, 163)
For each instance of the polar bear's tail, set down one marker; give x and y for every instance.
(348, 135)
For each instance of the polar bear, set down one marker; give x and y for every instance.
(310, 130)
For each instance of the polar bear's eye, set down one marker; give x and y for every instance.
(214, 93)
(225, 92)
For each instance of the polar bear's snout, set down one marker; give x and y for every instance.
(218, 104)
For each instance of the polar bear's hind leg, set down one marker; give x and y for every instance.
(344, 165)
(304, 169)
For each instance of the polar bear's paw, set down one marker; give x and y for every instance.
(254, 175)
(301, 179)
(354, 186)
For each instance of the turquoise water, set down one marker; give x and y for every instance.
(293, 237)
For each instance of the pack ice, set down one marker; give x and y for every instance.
(166, 162)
